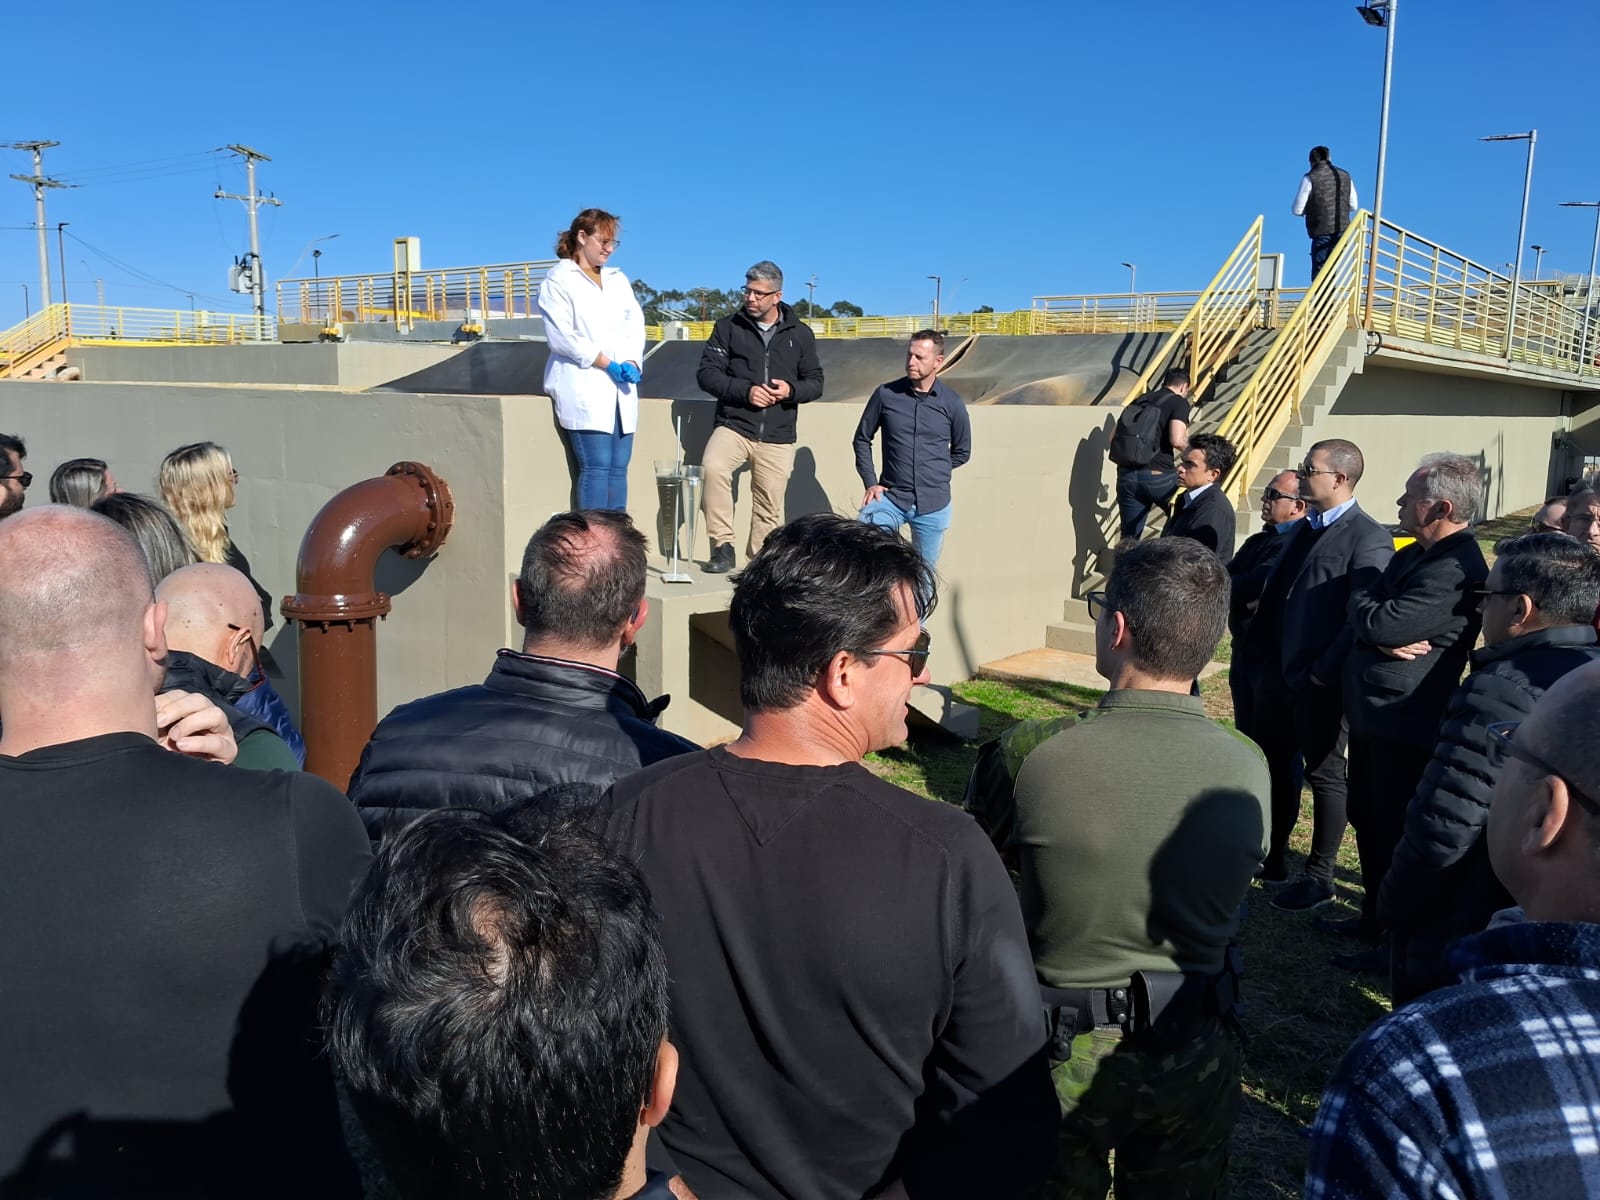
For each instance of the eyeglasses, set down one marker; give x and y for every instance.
(916, 654)
(26, 477)
(1308, 469)
(1098, 604)
(255, 677)
(750, 291)
(1500, 736)
(233, 476)
(1483, 593)
(1271, 494)
(1545, 527)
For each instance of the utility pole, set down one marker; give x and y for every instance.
(253, 201)
(39, 181)
(938, 284)
(811, 287)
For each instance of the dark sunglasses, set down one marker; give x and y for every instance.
(1097, 603)
(1500, 736)
(916, 655)
(26, 477)
(1271, 494)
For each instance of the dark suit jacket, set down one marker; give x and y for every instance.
(1248, 571)
(1424, 595)
(1210, 520)
(1350, 554)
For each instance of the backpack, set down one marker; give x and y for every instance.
(1137, 437)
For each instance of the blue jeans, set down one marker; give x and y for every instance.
(927, 529)
(1321, 247)
(602, 465)
(1139, 489)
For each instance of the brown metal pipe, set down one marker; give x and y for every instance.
(408, 509)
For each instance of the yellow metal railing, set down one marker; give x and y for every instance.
(1271, 398)
(1216, 323)
(62, 325)
(1425, 293)
(468, 294)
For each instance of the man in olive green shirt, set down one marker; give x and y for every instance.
(1137, 828)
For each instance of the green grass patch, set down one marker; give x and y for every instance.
(1300, 1013)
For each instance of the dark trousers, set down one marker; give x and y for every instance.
(1383, 775)
(1321, 247)
(1303, 727)
(1139, 489)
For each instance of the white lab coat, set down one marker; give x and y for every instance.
(582, 321)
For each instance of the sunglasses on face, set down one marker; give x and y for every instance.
(26, 477)
(1271, 495)
(916, 655)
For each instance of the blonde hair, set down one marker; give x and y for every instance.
(196, 482)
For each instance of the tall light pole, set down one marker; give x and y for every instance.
(811, 301)
(61, 257)
(938, 283)
(1532, 138)
(1380, 14)
(1589, 314)
(1538, 262)
(27, 308)
(1133, 277)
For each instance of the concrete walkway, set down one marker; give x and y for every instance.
(1058, 666)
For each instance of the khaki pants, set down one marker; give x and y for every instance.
(770, 465)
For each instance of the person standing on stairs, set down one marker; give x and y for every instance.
(1148, 433)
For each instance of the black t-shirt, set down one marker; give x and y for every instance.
(852, 993)
(165, 923)
(1173, 408)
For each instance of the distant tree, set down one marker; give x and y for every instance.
(807, 311)
(696, 303)
(984, 308)
(843, 308)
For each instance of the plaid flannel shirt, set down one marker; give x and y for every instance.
(1487, 1088)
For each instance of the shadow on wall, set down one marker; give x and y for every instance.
(1093, 504)
(805, 494)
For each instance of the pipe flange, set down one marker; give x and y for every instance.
(355, 606)
(441, 508)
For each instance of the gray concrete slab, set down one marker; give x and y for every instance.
(1054, 369)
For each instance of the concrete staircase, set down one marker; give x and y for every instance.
(1231, 380)
(41, 369)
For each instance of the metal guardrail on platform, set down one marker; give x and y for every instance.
(61, 325)
(499, 291)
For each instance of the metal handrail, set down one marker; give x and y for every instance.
(94, 324)
(497, 291)
(1268, 402)
(1222, 314)
(1426, 293)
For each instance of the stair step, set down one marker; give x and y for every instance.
(1076, 637)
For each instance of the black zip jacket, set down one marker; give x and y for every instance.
(736, 359)
(535, 722)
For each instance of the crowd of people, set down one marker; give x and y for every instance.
(538, 946)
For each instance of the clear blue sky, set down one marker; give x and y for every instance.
(1025, 148)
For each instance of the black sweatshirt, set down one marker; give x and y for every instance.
(162, 929)
(852, 993)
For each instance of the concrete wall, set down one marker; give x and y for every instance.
(353, 365)
(1397, 415)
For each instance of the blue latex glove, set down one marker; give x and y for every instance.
(618, 371)
(634, 375)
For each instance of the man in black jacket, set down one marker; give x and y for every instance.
(1296, 646)
(557, 712)
(1203, 512)
(760, 365)
(1141, 488)
(1538, 606)
(1282, 510)
(1413, 631)
(1327, 200)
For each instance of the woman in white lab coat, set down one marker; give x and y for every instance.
(595, 328)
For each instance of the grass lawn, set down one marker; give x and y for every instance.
(1300, 1014)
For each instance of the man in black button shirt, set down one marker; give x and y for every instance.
(926, 436)
(852, 990)
(165, 919)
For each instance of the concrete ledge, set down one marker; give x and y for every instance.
(936, 705)
(1073, 637)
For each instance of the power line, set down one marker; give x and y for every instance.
(138, 273)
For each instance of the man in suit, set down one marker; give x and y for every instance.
(1282, 510)
(1297, 644)
(1413, 630)
(1203, 512)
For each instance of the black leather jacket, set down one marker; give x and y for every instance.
(533, 723)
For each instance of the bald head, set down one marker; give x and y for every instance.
(1564, 728)
(203, 601)
(74, 587)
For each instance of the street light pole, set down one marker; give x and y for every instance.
(1538, 262)
(61, 257)
(27, 308)
(938, 283)
(1532, 138)
(1589, 315)
(1133, 277)
(811, 301)
(1379, 12)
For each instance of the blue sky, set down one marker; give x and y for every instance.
(1023, 148)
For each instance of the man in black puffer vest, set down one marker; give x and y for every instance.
(1538, 604)
(557, 712)
(1327, 200)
